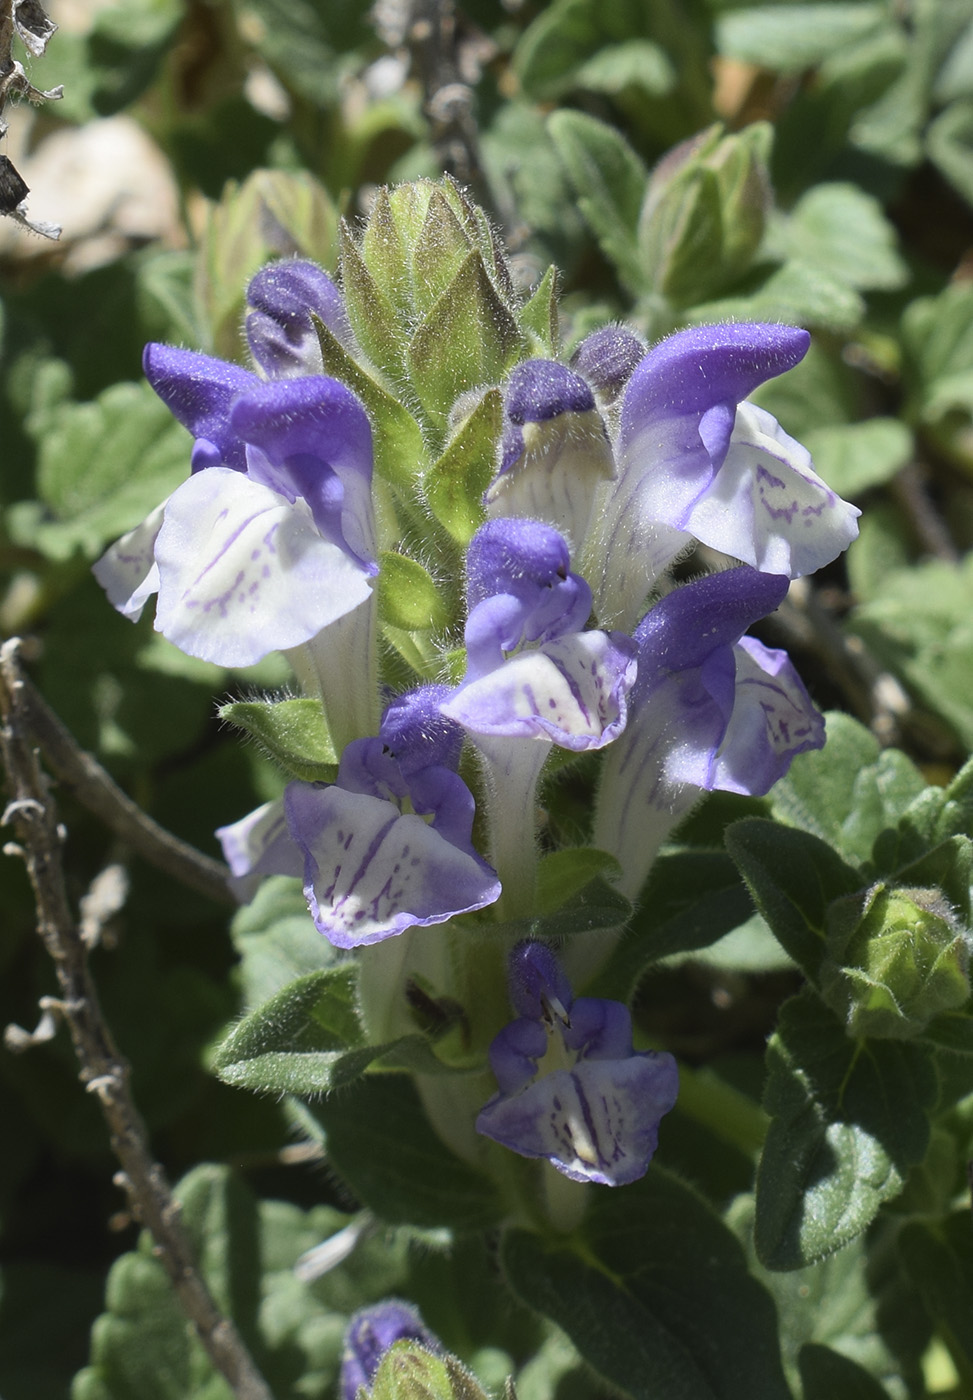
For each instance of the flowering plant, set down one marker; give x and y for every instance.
(513, 591)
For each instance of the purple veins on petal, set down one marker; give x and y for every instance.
(242, 572)
(370, 872)
(572, 1088)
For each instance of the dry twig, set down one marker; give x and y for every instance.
(85, 778)
(104, 1073)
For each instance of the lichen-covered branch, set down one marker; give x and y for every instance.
(31, 811)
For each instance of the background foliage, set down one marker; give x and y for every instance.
(837, 193)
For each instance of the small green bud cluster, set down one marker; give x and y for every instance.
(408, 1371)
(704, 213)
(896, 958)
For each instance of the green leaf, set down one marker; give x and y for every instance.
(565, 873)
(949, 143)
(400, 450)
(103, 466)
(294, 733)
(610, 181)
(570, 45)
(850, 791)
(142, 1346)
(306, 1039)
(634, 63)
(407, 596)
(798, 292)
(842, 231)
(539, 318)
(827, 1375)
(454, 485)
(654, 1292)
(854, 457)
(920, 627)
(468, 339)
(793, 37)
(849, 1118)
(938, 339)
(793, 878)
(381, 1142)
(849, 1305)
(692, 899)
(277, 941)
(373, 317)
(940, 1259)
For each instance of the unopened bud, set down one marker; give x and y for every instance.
(897, 958)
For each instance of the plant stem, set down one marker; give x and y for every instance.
(103, 1071)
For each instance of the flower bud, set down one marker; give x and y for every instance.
(371, 1332)
(555, 451)
(704, 213)
(896, 958)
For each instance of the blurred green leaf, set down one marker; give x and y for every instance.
(843, 1306)
(854, 457)
(940, 1259)
(920, 626)
(792, 37)
(609, 180)
(843, 232)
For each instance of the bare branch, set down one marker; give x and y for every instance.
(103, 1071)
(85, 778)
(27, 20)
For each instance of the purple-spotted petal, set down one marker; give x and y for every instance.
(767, 506)
(370, 872)
(315, 441)
(242, 572)
(259, 844)
(597, 1122)
(127, 571)
(676, 422)
(198, 390)
(571, 692)
(773, 720)
(280, 331)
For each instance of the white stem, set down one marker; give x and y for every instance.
(512, 768)
(340, 666)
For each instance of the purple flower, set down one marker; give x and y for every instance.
(571, 1086)
(271, 539)
(532, 672)
(555, 450)
(371, 1332)
(280, 332)
(695, 462)
(708, 710)
(373, 866)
